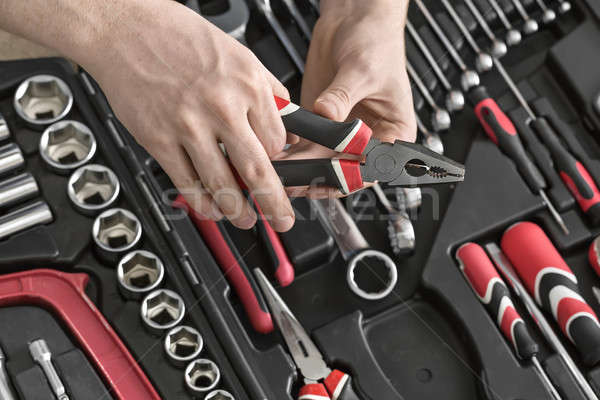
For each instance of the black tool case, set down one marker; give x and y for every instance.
(429, 339)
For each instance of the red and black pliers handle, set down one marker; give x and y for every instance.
(233, 266)
(343, 137)
(336, 386)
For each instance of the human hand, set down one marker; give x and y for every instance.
(182, 87)
(356, 69)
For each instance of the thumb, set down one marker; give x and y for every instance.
(346, 90)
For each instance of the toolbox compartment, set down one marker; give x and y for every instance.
(430, 339)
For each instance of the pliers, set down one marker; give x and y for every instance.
(397, 164)
(321, 383)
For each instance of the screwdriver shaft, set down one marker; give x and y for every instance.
(547, 382)
(554, 213)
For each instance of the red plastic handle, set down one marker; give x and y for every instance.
(553, 285)
(233, 268)
(594, 255)
(64, 295)
(336, 386)
(483, 277)
(284, 270)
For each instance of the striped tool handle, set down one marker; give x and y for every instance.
(493, 293)
(551, 282)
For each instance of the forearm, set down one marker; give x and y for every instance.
(397, 7)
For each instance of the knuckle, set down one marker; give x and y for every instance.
(256, 172)
(342, 94)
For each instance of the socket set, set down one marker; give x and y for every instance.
(481, 290)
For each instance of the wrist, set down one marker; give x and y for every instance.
(346, 7)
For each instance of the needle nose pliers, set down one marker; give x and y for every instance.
(398, 164)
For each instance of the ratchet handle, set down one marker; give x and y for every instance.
(233, 266)
(501, 130)
(344, 137)
(284, 270)
(573, 173)
(338, 383)
(342, 174)
(551, 282)
(493, 293)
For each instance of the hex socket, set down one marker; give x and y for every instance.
(11, 158)
(43, 99)
(67, 145)
(183, 344)
(138, 273)
(219, 395)
(115, 232)
(161, 310)
(201, 376)
(24, 218)
(92, 188)
(17, 189)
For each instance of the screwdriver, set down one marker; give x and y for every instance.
(503, 133)
(491, 290)
(573, 173)
(551, 282)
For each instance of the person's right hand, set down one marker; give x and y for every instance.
(181, 86)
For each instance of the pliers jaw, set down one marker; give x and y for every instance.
(407, 164)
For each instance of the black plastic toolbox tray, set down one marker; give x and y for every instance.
(66, 243)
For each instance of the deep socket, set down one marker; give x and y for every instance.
(138, 273)
(17, 189)
(201, 376)
(24, 218)
(161, 310)
(67, 145)
(11, 158)
(4, 131)
(183, 344)
(219, 395)
(92, 188)
(115, 232)
(43, 99)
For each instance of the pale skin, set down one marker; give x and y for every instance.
(181, 86)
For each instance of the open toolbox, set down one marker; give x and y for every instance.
(430, 338)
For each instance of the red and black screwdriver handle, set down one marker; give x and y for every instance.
(284, 270)
(573, 173)
(551, 282)
(337, 386)
(233, 266)
(343, 137)
(501, 130)
(491, 290)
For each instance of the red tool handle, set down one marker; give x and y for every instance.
(551, 282)
(64, 295)
(493, 293)
(503, 133)
(344, 137)
(594, 255)
(337, 386)
(233, 267)
(575, 176)
(284, 270)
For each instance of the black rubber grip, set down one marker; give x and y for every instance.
(312, 172)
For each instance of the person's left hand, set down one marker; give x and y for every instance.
(356, 68)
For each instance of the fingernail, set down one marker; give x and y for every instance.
(246, 222)
(284, 224)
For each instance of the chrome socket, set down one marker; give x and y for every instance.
(17, 189)
(24, 218)
(161, 310)
(67, 145)
(183, 344)
(219, 395)
(43, 99)
(201, 376)
(92, 188)
(116, 231)
(4, 131)
(138, 273)
(11, 158)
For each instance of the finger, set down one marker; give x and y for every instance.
(347, 88)
(254, 167)
(281, 91)
(180, 169)
(266, 122)
(218, 179)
